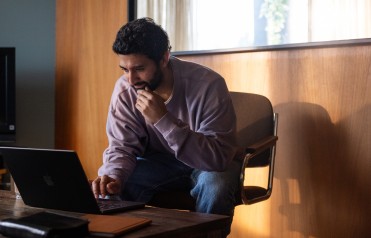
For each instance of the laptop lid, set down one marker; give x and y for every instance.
(53, 179)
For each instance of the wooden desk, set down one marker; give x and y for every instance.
(165, 222)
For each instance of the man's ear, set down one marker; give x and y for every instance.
(165, 59)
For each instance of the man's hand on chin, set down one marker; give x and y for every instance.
(151, 105)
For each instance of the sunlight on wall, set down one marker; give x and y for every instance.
(256, 177)
(294, 192)
(253, 220)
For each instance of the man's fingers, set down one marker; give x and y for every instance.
(95, 187)
(113, 188)
(103, 185)
(146, 92)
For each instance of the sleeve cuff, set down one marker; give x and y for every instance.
(166, 124)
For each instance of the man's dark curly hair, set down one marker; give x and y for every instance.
(142, 36)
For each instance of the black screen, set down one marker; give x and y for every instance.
(7, 94)
(3, 91)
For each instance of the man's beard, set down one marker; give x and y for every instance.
(152, 84)
(156, 80)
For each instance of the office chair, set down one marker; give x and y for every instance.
(257, 136)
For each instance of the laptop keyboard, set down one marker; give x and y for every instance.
(105, 204)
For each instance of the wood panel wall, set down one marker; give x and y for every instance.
(86, 70)
(322, 95)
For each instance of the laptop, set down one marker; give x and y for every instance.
(55, 179)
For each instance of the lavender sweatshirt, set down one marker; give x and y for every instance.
(199, 128)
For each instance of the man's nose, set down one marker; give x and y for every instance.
(132, 77)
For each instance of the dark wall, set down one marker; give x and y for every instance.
(30, 27)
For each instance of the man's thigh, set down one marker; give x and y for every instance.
(158, 172)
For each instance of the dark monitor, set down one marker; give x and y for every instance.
(7, 94)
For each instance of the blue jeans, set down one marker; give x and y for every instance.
(214, 192)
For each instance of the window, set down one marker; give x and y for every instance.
(220, 24)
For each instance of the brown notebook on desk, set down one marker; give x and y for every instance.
(112, 226)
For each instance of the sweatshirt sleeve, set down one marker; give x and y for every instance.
(126, 136)
(210, 146)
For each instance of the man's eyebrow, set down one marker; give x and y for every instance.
(135, 67)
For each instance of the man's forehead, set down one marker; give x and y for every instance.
(134, 60)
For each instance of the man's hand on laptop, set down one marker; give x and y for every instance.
(105, 185)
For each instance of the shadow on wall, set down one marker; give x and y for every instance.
(66, 107)
(35, 108)
(324, 172)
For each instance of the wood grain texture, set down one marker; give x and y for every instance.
(322, 95)
(321, 185)
(165, 222)
(86, 71)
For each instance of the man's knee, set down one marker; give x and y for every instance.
(215, 185)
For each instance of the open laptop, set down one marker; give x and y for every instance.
(55, 179)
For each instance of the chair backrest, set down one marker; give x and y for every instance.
(254, 122)
(257, 136)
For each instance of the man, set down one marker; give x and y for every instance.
(171, 126)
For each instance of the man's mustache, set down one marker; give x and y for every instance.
(140, 86)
